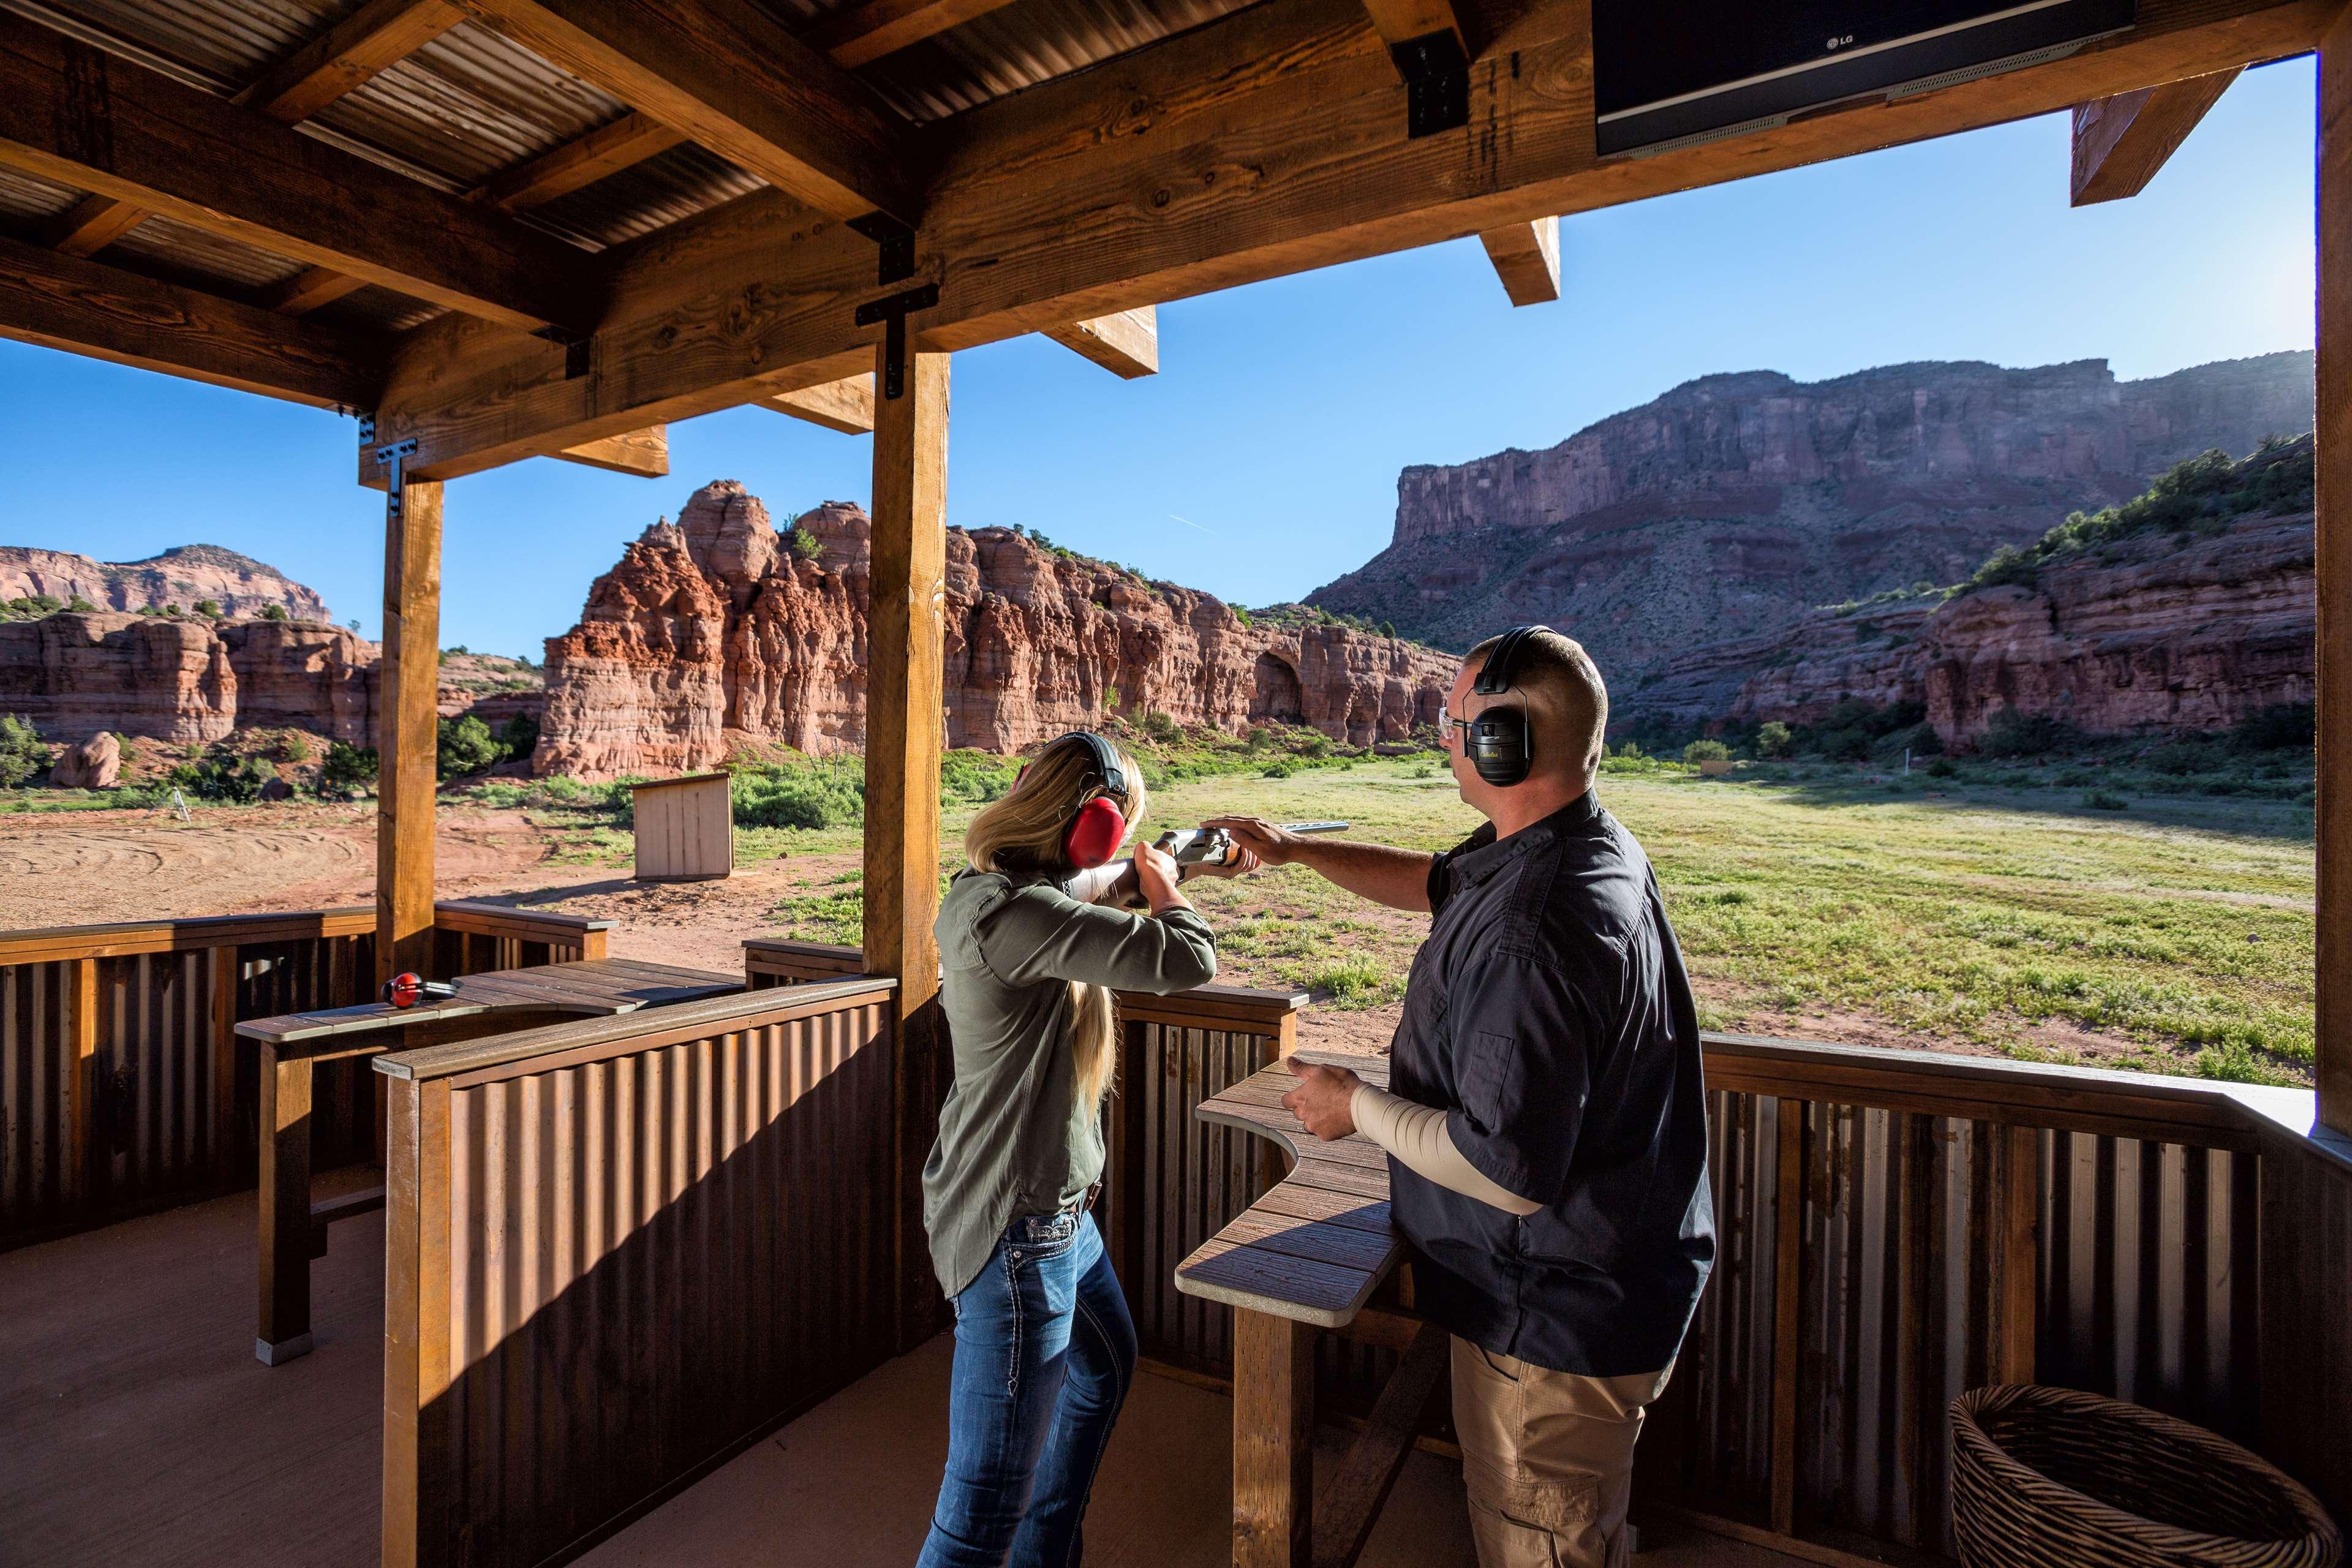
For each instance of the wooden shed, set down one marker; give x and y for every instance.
(685, 828)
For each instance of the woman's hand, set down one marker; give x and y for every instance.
(1155, 878)
(1325, 1100)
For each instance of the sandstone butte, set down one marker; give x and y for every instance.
(1731, 506)
(183, 575)
(712, 631)
(191, 681)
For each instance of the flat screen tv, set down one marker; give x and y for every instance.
(1670, 72)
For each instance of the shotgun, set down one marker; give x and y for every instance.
(1114, 884)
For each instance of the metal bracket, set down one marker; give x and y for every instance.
(389, 460)
(367, 428)
(898, 242)
(576, 347)
(891, 310)
(1436, 83)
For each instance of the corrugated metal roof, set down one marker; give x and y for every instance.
(471, 104)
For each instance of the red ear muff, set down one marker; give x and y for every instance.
(1094, 835)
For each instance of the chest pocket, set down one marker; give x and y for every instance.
(1490, 1079)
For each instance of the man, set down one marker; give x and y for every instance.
(1546, 1127)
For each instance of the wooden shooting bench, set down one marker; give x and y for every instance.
(1309, 1255)
(293, 1229)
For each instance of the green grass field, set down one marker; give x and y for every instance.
(2175, 936)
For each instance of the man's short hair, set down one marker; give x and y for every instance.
(1566, 701)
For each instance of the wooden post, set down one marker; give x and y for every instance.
(905, 701)
(76, 1184)
(406, 730)
(1788, 1267)
(224, 969)
(2334, 565)
(416, 1371)
(1274, 1440)
(285, 1275)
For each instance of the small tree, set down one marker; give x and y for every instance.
(275, 612)
(209, 608)
(21, 752)
(1772, 739)
(1707, 752)
(1388, 628)
(353, 624)
(519, 736)
(81, 606)
(348, 769)
(466, 747)
(803, 543)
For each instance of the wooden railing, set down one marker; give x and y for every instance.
(1894, 1227)
(122, 1088)
(619, 1251)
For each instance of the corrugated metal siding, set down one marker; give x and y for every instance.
(651, 1256)
(33, 1084)
(2149, 1267)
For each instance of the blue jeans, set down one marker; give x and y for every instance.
(1044, 1354)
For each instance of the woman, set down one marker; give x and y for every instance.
(1044, 1349)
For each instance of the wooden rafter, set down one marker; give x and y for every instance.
(71, 114)
(728, 76)
(847, 406)
(314, 76)
(1036, 218)
(66, 302)
(1126, 342)
(642, 454)
(2120, 142)
(580, 163)
(879, 27)
(1526, 258)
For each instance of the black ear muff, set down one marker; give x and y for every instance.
(1499, 746)
(1500, 742)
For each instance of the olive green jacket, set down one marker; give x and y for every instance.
(1014, 1140)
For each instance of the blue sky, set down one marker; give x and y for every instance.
(1284, 410)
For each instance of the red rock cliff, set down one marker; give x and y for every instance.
(713, 628)
(182, 575)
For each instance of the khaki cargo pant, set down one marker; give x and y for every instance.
(1548, 1459)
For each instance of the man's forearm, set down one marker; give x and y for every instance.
(1397, 877)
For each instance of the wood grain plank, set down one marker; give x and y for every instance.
(580, 163)
(2333, 1064)
(407, 735)
(2120, 142)
(1788, 1253)
(91, 224)
(347, 55)
(1125, 342)
(862, 33)
(846, 406)
(1347, 1510)
(1273, 1441)
(1526, 258)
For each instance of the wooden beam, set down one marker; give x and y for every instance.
(347, 55)
(1402, 21)
(879, 27)
(2121, 141)
(406, 731)
(1126, 344)
(730, 77)
(905, 728)
(88, 307)
(642, 453)
(1345, 1510)
(95, 223)
(1273, 1441)
(1526, 257)
(2332, 1063)
(844, 405)
(1037, 217)
(310, 288)
(73, 115)
(580, 163)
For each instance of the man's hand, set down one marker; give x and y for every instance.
(1261, 838)
(1245, 860)
(1324, 1100)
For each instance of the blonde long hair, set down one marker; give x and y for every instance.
(1023, 834)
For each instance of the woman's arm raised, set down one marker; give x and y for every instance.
(1043, 934)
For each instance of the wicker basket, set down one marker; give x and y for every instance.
(2055, 1478)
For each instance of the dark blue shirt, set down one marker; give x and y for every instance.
(1549, 1014)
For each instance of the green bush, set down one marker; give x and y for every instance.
(293, 747)
(1628, 750)
(209, 608)
(519, 736)
(466, 746)
(2289, 724)
(22, 754)
(1942, 768)
(1772, 739)
(347, 771)
(1707, 752)
(2015, 734)
(803, 543)
(1278, 771)
(976, 777)
(231, 781)
(1161, 728)
(2105, 800)
(812, 796)
(268, 613)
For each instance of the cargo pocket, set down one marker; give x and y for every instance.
(1490, 1080)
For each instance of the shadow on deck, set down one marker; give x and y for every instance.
(138, 1429)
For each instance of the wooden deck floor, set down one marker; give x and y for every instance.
(136, 1428)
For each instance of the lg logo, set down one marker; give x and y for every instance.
(1840, 43)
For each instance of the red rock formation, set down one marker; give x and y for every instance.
(713, 629)
(239, 584)
(2146, 634)
(1733, 504)
(94, 763)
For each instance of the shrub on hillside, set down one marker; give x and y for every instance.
(347, 771)
(466, 746)
(1707, 752)
(209, 608)
(275, 612)
(1772, 739)
(976, 777)
(231, 781)
(22, 754)
(519, 736)
(2276, 729)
